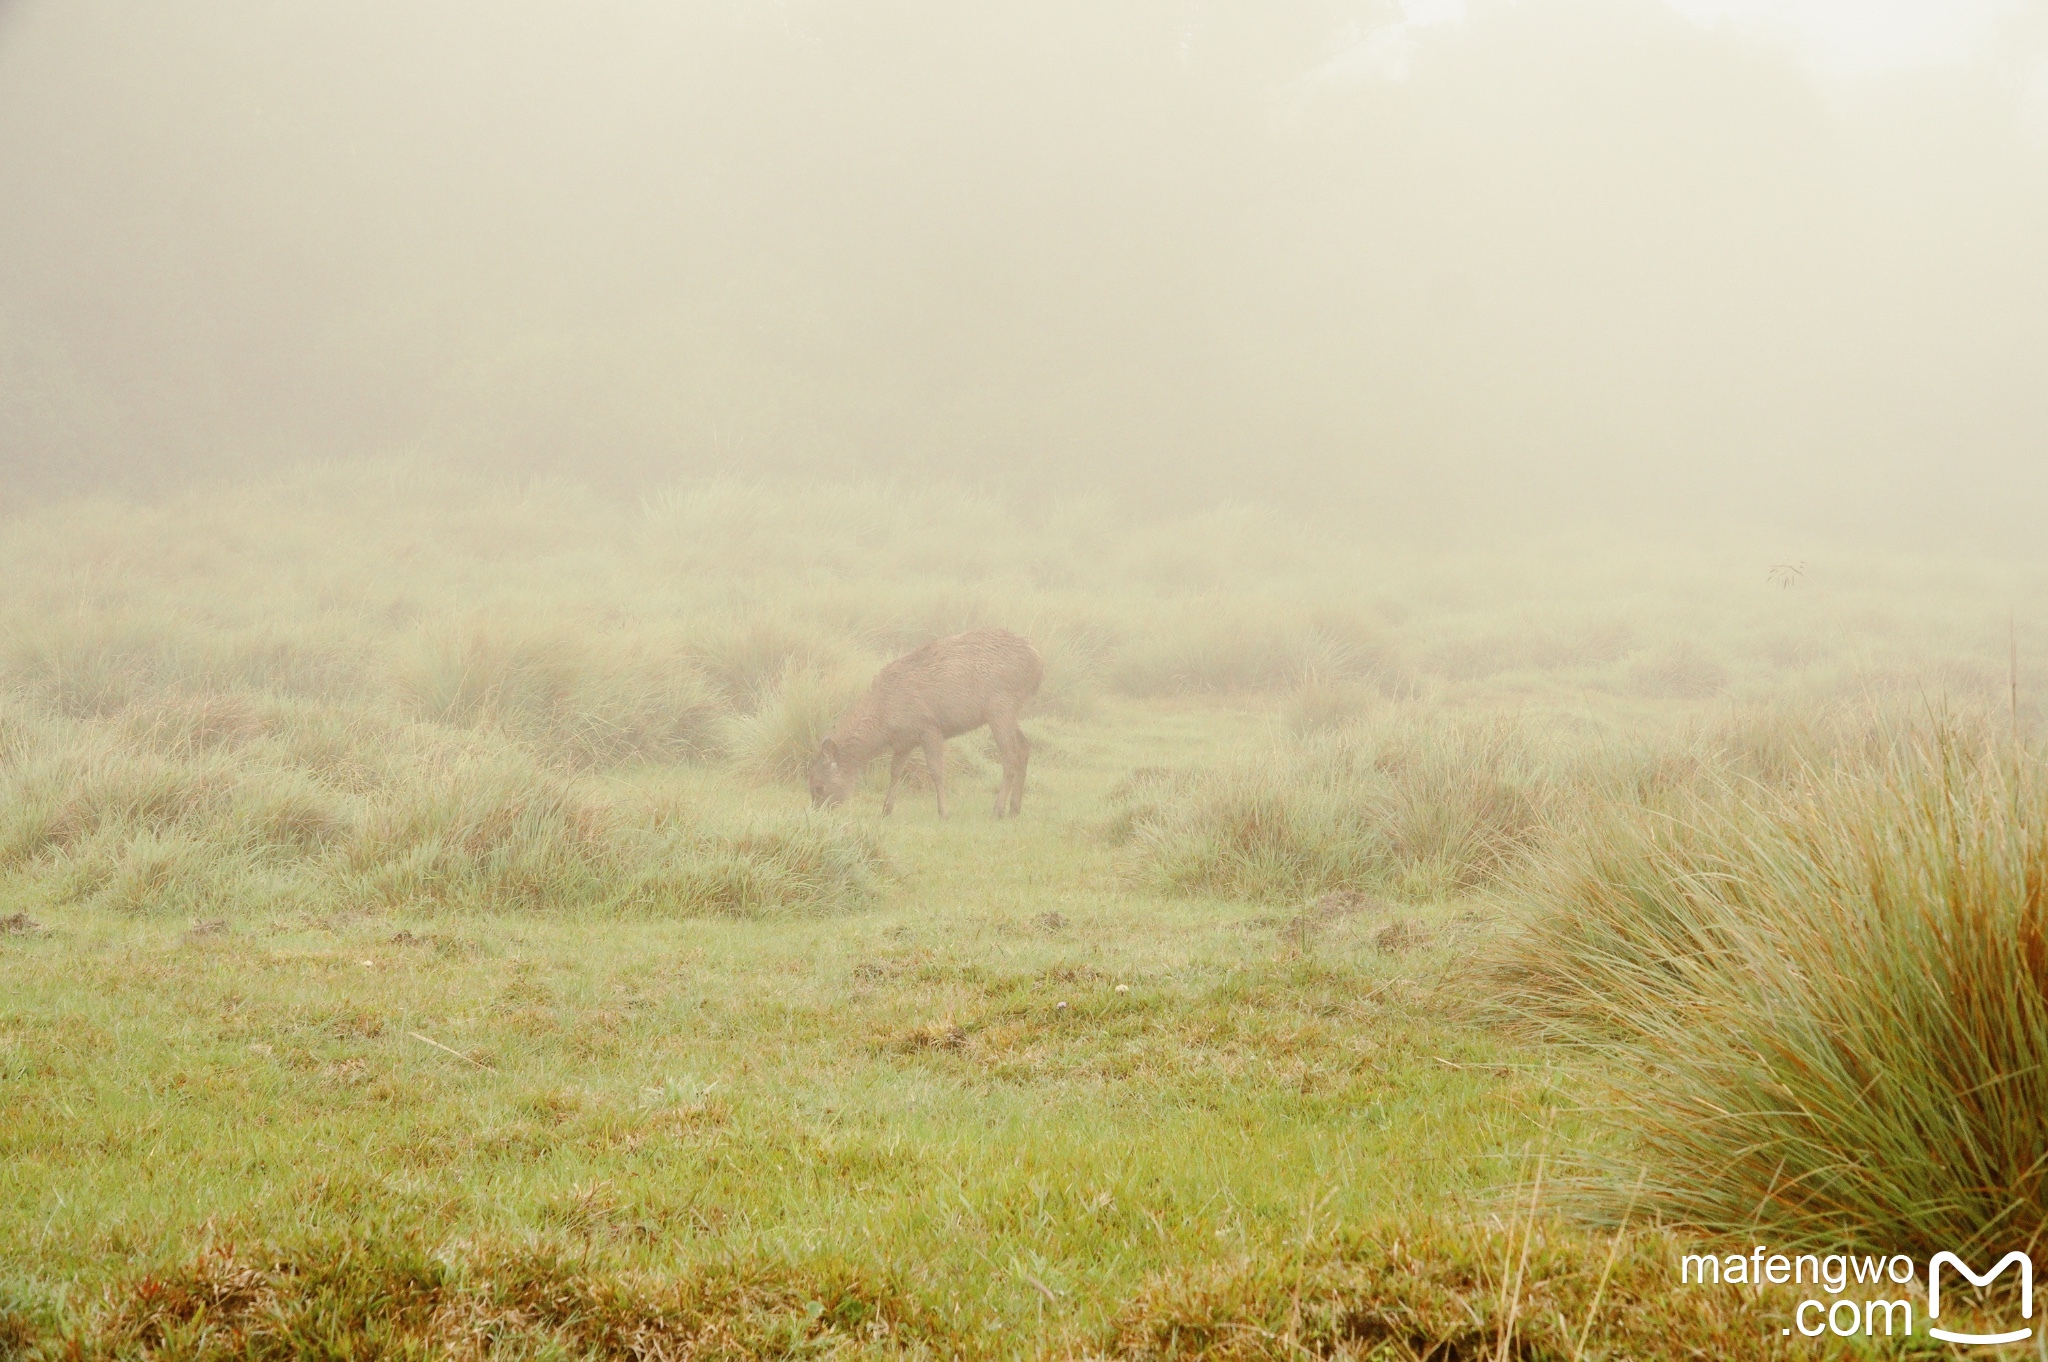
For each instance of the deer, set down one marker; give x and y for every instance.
(948, 687)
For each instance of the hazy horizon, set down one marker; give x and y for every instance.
(1564, 265)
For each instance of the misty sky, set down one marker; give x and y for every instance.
(1865, 37)
(1431, 265)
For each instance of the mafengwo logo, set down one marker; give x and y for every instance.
(1847, 1316)
(2026, 1267)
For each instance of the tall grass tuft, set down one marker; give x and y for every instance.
(1403, 806)
(774, 744)
(745, 659)
(204, 808)
(1072, 672)
(1320, 702)
(570, 697)
(1830, 995)
(799, 867)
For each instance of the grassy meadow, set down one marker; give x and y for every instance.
(414, 940)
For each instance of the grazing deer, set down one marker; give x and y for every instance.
(944, 689)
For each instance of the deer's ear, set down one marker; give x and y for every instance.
(829, 750)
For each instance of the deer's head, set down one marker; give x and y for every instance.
(832, 777)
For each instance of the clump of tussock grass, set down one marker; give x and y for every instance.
(746, 659)
(1830, 994)
(774, 743)
(1415, 811)
(183, 724)
(1224, 650)
(568, 696)
(152, 873)
(488, 830)
(137, 817)
(1073, 672)
(85, 663)
(807, 865)
(1285, 826)
(501, 833)
(93, 659)
(1555, 645)
(1141, 798)
(1320, 702)
(57, 797)
(1682, 671)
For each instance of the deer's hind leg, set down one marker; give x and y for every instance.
(1009, 769)
(1016, 753)
(935, 762)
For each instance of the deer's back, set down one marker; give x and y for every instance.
(955, 683)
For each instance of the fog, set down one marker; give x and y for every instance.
(1568, 264)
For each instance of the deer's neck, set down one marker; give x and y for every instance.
(860, 733)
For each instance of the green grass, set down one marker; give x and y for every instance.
(897, 1095)
(413, 940)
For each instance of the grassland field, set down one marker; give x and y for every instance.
(417, 944)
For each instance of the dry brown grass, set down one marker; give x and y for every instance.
(1425, 1291)
(1437, 1291)
(389, 1296)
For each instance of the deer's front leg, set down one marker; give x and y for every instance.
(896, 763)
